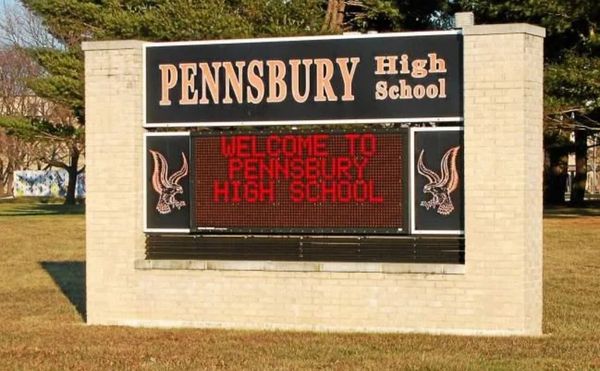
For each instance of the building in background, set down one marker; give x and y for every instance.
(592, 187)
(45, 183)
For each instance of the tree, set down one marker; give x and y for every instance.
(62, 84)
(571, 79)
(70, 22)
(14, 154)
(573, 105)
(385, 15)
(570, 87)
(16, 100)
(57, 143)
(155, 20)
(49, 92)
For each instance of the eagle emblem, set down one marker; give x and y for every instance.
(440, 186)
(167, 186)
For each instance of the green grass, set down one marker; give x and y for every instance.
(42, 299)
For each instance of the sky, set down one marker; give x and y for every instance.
(7, 4)
(29, 32)
(4, 5)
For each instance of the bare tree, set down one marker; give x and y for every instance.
(18, 26)
(16, 99)
(15, 153)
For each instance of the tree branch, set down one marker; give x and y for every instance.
(56, 163)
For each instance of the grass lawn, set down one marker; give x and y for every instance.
(42, 297)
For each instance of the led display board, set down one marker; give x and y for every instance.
(317, 182)
(392, 77)
(379, 181)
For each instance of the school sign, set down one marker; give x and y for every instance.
(384, 182)
(369, 79)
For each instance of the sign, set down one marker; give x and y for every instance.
(289, 181)
(313, 182)
(395, 77)
(167, 182)
(437, 180)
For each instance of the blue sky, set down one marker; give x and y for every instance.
(9, 2)
(6, 4)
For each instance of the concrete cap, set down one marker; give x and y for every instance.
(463, 19)
(507, 28)
(111, 45)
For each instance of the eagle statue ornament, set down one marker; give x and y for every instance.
(440, 186)
(167, 186)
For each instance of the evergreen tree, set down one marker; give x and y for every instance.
(390, 15)
(72, 21)
(572, 45)
(571, 79)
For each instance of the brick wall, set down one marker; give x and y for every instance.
(499, 291)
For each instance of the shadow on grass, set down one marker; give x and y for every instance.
(18, 209)
(591, 208)
(70, 278)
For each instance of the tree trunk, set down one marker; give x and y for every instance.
(9, 183)
(556, 176)
(580, 180)
(334, 17)
(72, 170)
(6, 186)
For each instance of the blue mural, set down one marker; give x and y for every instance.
(45, 183)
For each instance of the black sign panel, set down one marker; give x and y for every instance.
(437, 202)
(341, 181)
(167, 184)
(349, 79)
